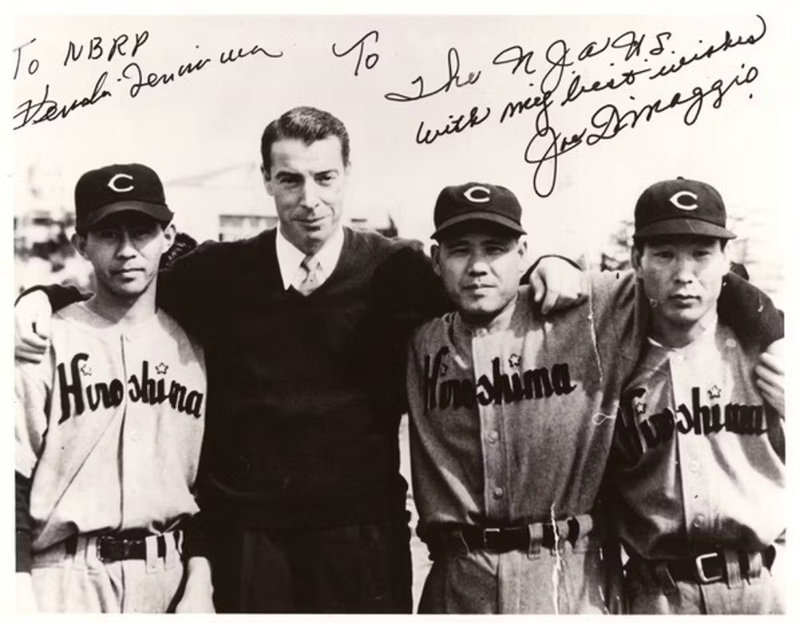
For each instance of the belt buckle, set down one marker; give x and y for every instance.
(700, 571)
(110, 549)
(104, 546)
(487, 533)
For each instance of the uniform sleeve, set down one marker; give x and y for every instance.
(32, 398)
(619, 320)
(32, 401)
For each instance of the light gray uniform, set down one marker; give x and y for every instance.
(698, 464)
(109, 429)
(510, 425)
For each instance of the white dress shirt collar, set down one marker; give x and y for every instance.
(289, 257)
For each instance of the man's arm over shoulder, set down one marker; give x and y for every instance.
(406, 286)
(195, 286)
(750, 313)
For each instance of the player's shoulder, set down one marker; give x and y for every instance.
(433, 331)
(212, 253)
(731, 347)
(375, 242)
(611, 285)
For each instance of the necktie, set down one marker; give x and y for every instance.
(309, 276)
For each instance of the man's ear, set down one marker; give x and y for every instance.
(636, 261)
(169, 235)
(79, 242)
(523, 247)
(265, 176)
(435, 250)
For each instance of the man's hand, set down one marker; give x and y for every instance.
(557, 284)
(198, 593)
(770, 377)
(32, 326)
(26, 600)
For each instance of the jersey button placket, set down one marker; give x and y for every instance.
(494, 469)
(689, 447)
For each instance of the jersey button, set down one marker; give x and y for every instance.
(481, 332)
(694, 466)
(699, 521)
(497, 493)
(493, 436)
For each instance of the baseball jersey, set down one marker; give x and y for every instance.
(697, 454)
(109, 426)
(512, 423)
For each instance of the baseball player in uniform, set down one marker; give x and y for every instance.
(698, 458)
(109, 425)
(511, 422)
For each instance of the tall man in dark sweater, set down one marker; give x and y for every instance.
(305, 330)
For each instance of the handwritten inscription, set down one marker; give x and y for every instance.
(633, 59)
(47, 108)
(454, 79)
(372, 57)
(612, 75)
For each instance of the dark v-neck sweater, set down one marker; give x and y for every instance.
(305, 393)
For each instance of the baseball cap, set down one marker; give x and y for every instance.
(680, 206)
(116, 188)
(476, 202)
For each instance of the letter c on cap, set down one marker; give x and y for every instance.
(676, 200)
(112, 183)
(470, 194)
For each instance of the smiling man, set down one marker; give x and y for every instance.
(698, 458)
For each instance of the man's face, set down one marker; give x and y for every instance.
(125, 250)
(308, 184)
(480, 267)
(682, 277)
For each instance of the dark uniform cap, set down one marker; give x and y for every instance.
(476, 202)
(680, 206)
(117, 188)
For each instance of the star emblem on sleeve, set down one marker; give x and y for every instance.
(86, 369)
(640, 408)
(514, 360)
(714, 393)
(162, 368)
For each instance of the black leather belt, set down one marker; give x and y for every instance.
(497, 540)
(506, 539)
(709, 568)
(114, 547)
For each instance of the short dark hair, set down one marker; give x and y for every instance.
(306, 124)
(639, 243)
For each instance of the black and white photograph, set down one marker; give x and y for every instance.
(425, 309)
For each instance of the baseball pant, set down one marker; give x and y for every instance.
(359, 568)
(567, 579)
(759, 591)
(81, 582)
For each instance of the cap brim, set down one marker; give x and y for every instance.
(681, 226)
(157, 211)
(485, 217)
